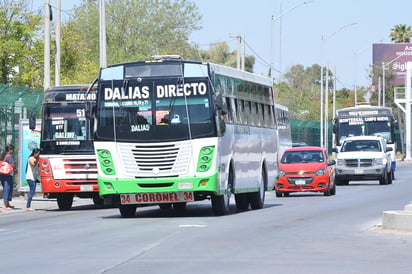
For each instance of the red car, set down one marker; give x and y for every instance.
(305, 169)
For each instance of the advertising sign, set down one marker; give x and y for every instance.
(29, 139)
(394, 58)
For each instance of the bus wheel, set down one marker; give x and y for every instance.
(97, 200)
(127, 211)
(165, 206)
(179, 206)
(257, 199)
(65, 201)
(242, 201)
(220, 204)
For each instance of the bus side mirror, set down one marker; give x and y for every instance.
(32, 121)
(334, 128)
(220, 104)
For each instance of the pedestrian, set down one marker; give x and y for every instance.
(7, 180)
(32, 175)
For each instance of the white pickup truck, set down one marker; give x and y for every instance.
(363, 158)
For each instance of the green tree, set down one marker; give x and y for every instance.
(401, 33)
(220, 53)
(301, 93)
(20, 50)
(76, 67)
(138, 29)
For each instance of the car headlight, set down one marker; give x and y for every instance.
(380, 161)
(340, 162)
(321, 171)
(281, 173)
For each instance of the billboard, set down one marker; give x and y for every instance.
(394, 56)
(29, 139)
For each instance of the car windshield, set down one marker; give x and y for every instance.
(361, 145)
(302, 156)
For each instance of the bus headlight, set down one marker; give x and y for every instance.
(106, 161)
(205, 158)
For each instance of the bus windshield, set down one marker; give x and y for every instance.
(65, 129)
(154, 112)
(376, 128)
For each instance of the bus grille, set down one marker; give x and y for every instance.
(80, 166)
(155, 159)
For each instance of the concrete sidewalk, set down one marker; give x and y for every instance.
(19, 202)
(38, 203)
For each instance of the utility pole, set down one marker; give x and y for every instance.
(102, 34)
(57, 57)
(47, 19)
(239, 43)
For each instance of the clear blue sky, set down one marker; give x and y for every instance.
(297, 35)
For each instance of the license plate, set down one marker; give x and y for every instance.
(157, 198)
(86, 188)
(300, 182)
(358, 171)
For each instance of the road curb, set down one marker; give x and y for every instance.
(398, 219)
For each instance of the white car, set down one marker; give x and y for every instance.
(363, 158)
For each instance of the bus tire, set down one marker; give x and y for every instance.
(179, 206)
(65, 201)
(97, 200)
(257, 199)
(165, 206)
(221, 203)
(242, 201)
(127, 211)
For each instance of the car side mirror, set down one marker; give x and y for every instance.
(335, 150)
(389, 149)
(331, 162)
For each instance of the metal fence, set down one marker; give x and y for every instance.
(16, 103)
(309, 133)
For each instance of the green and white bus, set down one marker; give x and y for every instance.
(170, 131)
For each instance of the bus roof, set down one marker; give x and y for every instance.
(364, 110)
(215, 68)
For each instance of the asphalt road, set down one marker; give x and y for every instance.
(303, 233)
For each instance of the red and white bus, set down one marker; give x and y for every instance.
(68, 163)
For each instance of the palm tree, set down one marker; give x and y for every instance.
(401, 33)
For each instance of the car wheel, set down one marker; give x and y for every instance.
(341, 182)
(333, 190)
(384, 179)
(327, 192)
(278, 194)
(390, 177)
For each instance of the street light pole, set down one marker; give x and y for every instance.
(323, 39)
(383, 76)
(273, 29)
